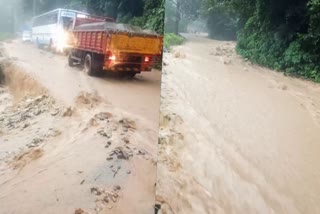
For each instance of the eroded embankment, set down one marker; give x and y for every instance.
(19, 83)
(27, 113)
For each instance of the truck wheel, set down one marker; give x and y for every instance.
(38, 43)
(131, 75)
(127, 75)
(70, 60)
(88, 65)
(50, 46)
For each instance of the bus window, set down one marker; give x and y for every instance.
(53, 19)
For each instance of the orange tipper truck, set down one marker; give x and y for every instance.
(102, 45)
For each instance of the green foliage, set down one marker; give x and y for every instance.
(222, 21)
(154, 15)
(260, 47)
(179, 13)
(279, 34)
(148, 14)
(111, 8)
(5, 36)
(297, 61)
(282, 35)
(171, 39)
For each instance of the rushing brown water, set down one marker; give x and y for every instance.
(57, 151)
(251, 136)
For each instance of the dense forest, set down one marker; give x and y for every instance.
(148, 14)
(279, 34)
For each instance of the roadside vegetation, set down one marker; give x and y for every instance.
(283, 35)
(5, 36)
(170, 39)
(148, 14)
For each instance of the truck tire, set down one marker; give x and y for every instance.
(127, 74)
(70, 60)
(50, 46)
(88, 65)
(38, 44)
(131, 75)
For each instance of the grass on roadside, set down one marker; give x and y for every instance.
(170, 39)
(5, 36)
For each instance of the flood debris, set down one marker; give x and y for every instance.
(28, 109)
(79, 211)
(105, 132)
(88, 99)
(22, 160)
(128, 124)
(106, 197)
(108, 144)
(96, 190)
(52, 133)
(35, 142)
(126, 140)
(121, 153)
(67, 112)
(116, 171)
(157, 208)
(25, 125)
(55, 112)
(109, 158)
(103, 116)
(224, 50)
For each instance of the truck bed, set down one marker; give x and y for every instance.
(113, 27)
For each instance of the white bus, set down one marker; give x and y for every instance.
(50, 29)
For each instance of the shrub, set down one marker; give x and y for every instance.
(5, 36)
(269, 41)
(171, 39)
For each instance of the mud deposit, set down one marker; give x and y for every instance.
(88, 157)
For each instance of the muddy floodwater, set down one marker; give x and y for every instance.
(235, 137)
(70, 143)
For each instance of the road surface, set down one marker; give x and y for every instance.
(235, 137)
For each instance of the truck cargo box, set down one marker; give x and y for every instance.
(107, 36)
(118, 47)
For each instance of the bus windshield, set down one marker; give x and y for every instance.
(66, 22)
(45, 20)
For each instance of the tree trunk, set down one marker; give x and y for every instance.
(177, 23)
